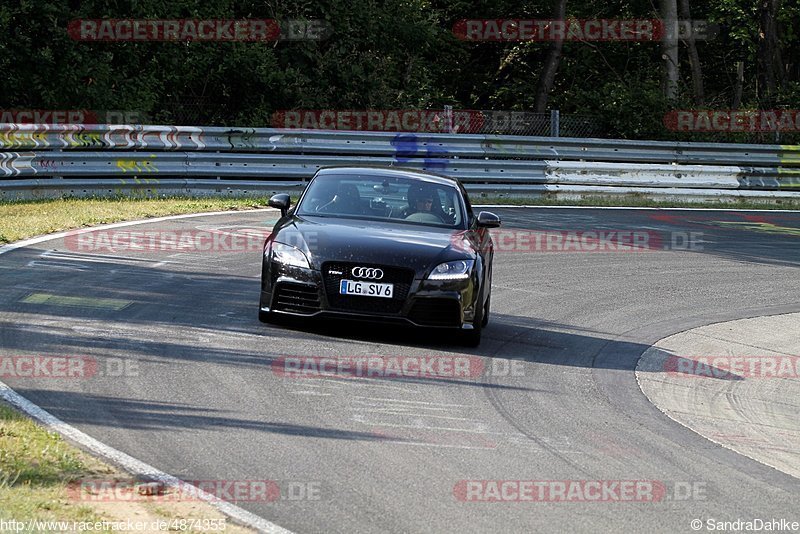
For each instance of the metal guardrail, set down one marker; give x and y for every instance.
(124, 155)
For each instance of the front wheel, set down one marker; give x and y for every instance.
(472, 338)
(485, 320)
(264, 317)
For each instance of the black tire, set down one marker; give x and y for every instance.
(485, 319)
(472, 338)
(264, 317)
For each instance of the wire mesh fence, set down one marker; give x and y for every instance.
(187, 111)
(552, 124)
(447, 120)
(202, 111)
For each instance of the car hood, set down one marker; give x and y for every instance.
(373, 242)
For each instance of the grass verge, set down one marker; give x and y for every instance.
(38, 471)
(35, 467)
(24, 219)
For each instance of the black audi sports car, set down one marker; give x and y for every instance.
(381, 244)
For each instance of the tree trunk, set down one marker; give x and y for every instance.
(694, 57)
(767, 47)
(669, 47)
(551, 63)
(737, 94)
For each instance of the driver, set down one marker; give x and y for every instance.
(424, 203)
(421, 200)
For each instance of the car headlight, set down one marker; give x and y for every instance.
(452, 270)
(287, 255)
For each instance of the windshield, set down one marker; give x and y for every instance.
(396, 199)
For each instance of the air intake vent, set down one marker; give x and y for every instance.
(296, 298)
(436, 312)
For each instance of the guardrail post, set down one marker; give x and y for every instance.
(448, 118)
(58, 151)
(555, 120)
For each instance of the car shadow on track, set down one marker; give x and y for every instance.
(510, 337)
(136, 414)
(193, 316)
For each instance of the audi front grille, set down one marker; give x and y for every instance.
(334, 272)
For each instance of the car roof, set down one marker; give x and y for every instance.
(396, 172)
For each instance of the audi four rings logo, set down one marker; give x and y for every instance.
(367, 272)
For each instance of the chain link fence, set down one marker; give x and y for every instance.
(550, 124)
(202, 111)
(187, 111)
(447, 120)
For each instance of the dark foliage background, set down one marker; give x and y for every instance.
(392, 54)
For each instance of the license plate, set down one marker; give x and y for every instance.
(366, 289)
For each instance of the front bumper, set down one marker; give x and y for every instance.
(301, 292)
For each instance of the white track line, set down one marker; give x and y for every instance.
(129, 463)
(625, 208)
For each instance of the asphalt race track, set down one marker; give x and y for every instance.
(185, 378)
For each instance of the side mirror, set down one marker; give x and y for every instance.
(487, 219)
(281, 201)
